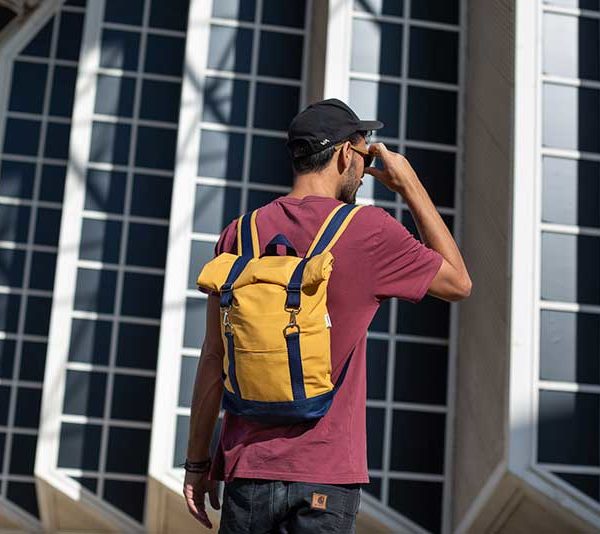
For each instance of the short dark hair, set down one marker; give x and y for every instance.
(318, 161)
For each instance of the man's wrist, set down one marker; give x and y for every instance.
(197, 467)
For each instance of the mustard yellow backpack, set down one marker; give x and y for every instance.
(275, 324)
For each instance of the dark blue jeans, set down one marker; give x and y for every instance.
(270, 506)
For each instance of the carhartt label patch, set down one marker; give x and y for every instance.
(319, 501)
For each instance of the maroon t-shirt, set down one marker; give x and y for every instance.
(375, 258)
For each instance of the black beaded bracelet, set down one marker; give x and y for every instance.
(197, 467)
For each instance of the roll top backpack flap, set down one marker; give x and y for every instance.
(275, 323)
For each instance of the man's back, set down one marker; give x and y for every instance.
(375, 258)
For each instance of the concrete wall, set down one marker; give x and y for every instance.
(482, 365)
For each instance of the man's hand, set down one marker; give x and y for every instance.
(195, 486)
(396, 168)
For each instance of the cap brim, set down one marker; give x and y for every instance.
(370, 125)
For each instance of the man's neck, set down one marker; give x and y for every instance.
(313, 184)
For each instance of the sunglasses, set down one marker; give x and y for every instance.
(366, 155)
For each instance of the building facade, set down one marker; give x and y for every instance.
(132, 132)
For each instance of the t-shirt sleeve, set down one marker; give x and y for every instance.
(227, 242)
(403, 266)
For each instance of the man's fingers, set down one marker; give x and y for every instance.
(213, 497)
(203, 518)
(374, 171)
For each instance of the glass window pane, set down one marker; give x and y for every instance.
(582, 4)
(164, 55)
(95, 290)
(24, 495)
(84, 393)
(195, 319)
(9, 312)
(12, 263)
(377, 361)
(569, 347)
(27, 87)
(234, 9)
(427, 318)
(114, 95)
(40, 44)
(280, 55)
(119, 50)
(133, 458)
(43, 265)
(160, 101)
(37, 316)
(105, 191)
(4, 404)
(380, 7)
(433, 55)
(221, 155)
(63, 91)
(446, 11)
(87, 482)
(100, 240)
(275, 106)
(7, 357)
(69, 37)
(142, 295)
(270, 162)
(289, 13)
(376, 47)
(151, 196)
(421, 373)
(90, 341)
(568, 428)
(16, 179)
(147, 245)
(110, 143)
(27, 412)
(230, 49)
(436, 171)
(187, 378)
(215, 208)
(256, 199)
(156, 148)
(22, 455)
(181, 440)
(431, 115)
(570, 117)
(381, 321)
(57, 140)
(79, 446)
(169, 14)
(419, 500)
(52, 185)
(570, 268)
(375, 433)
(126, 496)
(137, 346)
(587, 484)
(129, 12)
(47, 227)
(201, 253)
(33, 360)
(424, 451)
(570, 191)
(22, 137)
(132, 398)
(225, 101)
(373, 487)
(381, 101)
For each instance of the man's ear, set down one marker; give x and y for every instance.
(344, 158)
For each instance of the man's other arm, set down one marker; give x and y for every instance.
(208, 387)
(452, 281)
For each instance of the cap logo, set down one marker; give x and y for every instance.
(325, 141)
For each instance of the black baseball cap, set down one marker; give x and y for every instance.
(323, 124)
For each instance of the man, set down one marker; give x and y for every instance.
(306, 477)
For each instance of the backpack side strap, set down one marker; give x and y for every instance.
(247, 235)
(331, 230)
